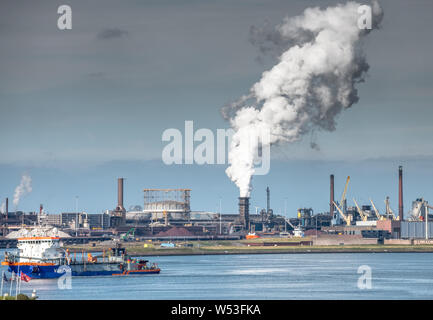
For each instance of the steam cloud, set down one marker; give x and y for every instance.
(312, 83)
(3, 208)
(22, 189)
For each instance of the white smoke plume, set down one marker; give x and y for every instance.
(311, 84)
(3, 208)
(22, 189)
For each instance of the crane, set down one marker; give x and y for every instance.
(297, 231)
(130, 232)
(364, 216)
(388, 210)
(375, 210)
(165, 217)
(343, 196)
(289, 223)
(347, 218)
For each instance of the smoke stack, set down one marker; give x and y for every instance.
(41, 208)
(331, 203)
(268, 199)
(120, 194)
(7, 208)
(244, 212)
(400, 193)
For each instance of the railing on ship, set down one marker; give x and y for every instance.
(11, 258)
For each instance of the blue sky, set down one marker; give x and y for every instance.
(79, 108)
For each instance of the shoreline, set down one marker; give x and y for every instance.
(273, 250)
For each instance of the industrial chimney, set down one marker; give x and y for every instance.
(120, 195)
(7, 209)
(244, 212)
(268, 200)
(331, 202)
(400, 193)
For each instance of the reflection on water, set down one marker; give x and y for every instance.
(268, 276)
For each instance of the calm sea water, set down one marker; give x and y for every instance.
(266, 276)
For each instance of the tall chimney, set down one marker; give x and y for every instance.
(331, 202)
(120, 194)
(268, 200)
(400, 193)
(244, 212)
(7, 208)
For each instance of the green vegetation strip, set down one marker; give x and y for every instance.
(242, 247)
(21, 296)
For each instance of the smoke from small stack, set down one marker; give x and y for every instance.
(24, 188)
(331, 202)
(314, 80)
(400, 193)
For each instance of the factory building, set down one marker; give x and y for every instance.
(163, 206)
(68, 220)
(51, 219)
(167, 203)
(391, 226)
(416, 230)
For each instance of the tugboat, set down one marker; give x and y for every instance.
(251, 236)
(44, 258)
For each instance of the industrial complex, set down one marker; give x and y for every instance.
(166, 215)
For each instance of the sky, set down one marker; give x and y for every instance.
(81, 107)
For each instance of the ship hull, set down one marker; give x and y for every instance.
(108, 269)
(35, 271)
(113, 273)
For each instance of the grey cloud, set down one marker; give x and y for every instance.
(111, 33)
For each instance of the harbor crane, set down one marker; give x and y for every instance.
(297, 231)
(362, 213)
(343, 196)
(379, 217)
(389, 211)
(347, 218)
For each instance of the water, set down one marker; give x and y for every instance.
(264, 276)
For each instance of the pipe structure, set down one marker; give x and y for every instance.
(400, 193)
(268, 200)
(331, 203)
